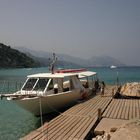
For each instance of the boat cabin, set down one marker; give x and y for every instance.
(45, 84)
(88, 78)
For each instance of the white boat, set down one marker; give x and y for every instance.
(113, 67)
(44, 93)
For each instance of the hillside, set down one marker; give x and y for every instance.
(64, 61)
(96, 61)
(12, 58)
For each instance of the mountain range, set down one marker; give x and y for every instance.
(64, 60)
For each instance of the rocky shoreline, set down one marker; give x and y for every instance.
(128, 131)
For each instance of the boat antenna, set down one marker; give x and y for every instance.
(54, 59)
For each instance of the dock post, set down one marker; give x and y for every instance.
(99, 114)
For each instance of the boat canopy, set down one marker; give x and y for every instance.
(50, 75)
(86, 74)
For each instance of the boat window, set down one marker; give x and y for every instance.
(41, 84)
(50, 87)
(71, 84)
(29, 84)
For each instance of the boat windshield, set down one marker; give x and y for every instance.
(41, 84)
(29, 84)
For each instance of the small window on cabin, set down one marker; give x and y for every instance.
(29, 84)
(41, 84)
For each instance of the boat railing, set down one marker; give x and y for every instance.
(9, 86)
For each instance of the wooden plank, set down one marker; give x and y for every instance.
(61, 125)
(134, 108)
(44, 137)
(110, 109)
(89, 107)
(139, 108)
(41, 136)
(118, 103)
(120, 109)
(37, 132)
(61, 129)
(105, 104)
(107, 110)
(31, 135)
(72, 110)
(53, 125)
(131, 110)
(94, 109)
(93, 113)
(76, 110)
(127, 110)
(86, 128)
(69, 128)
(82, 106)
(79, 128)
(43, 129)
(62, 132)
(123, 109)
(49, 129)
(76, 127)
(114, 104)
(108, 101)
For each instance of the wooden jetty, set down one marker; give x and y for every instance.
(123, 109)
(74, 124)
(118, 113)
(82, 119)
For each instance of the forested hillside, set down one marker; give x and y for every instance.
(12, 58)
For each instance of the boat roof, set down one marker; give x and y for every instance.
(50, 75)
(62, 75)
(86, 74)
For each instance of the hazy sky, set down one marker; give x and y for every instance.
(82, 28)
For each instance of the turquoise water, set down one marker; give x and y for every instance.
(16, 122)
(125, 74)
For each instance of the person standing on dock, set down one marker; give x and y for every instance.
(102, 87)
(97, 86)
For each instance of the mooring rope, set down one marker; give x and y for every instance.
(40, 109)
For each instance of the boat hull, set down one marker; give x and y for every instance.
(49, 103)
